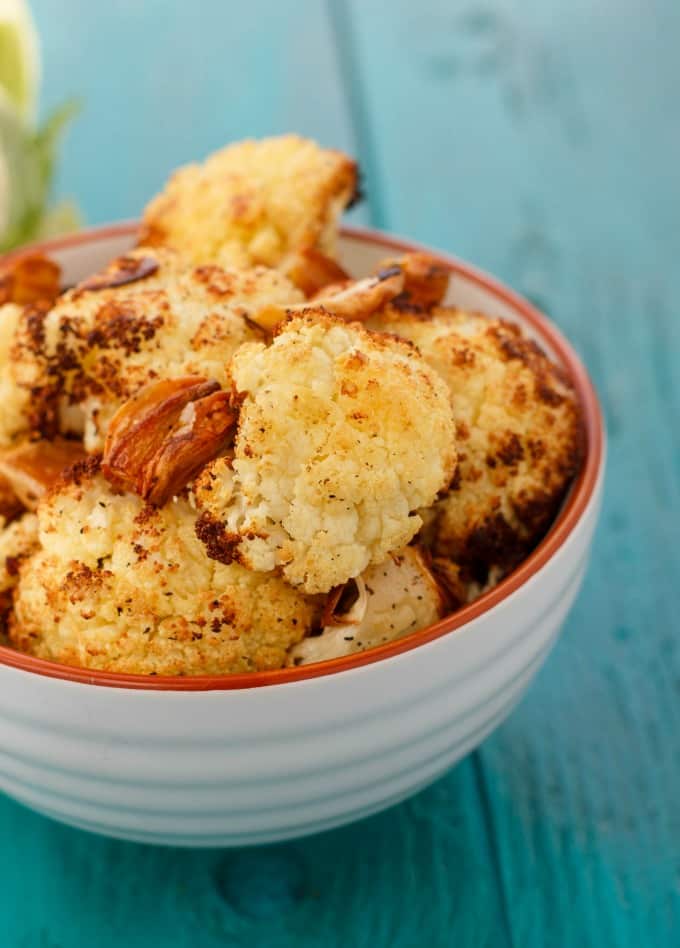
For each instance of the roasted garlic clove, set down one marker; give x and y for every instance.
(32, 278)
(346, 604)
(121, 271)
(312, 270)
(32, 468)
(158, 441)
(354, 302)
(426, 280)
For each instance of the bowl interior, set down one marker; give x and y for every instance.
(82, 254)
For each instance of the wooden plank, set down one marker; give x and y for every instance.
(162, 86)
(501, 124)
(416, 875)
(541, 140)
(163, 83)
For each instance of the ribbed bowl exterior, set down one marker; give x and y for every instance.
(252, 766)
(256, 765)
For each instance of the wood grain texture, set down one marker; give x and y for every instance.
(540, 140)
(163, 82)
(549, 152)
(426, 869)
(418, 874)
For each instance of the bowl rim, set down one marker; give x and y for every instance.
(577, 502)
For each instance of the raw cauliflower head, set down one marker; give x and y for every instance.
(148, 316)
(518, 433)
(255, 202)
(119, 586)
(343, 435)
(13, 399)
(17, 542)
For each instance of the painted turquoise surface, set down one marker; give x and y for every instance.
(541, 140)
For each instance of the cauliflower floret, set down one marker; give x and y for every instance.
(17, 542)
(343, 435)
(255, 202)
(395, 598)
(148, 316)
(119, 586)
(13, 399)
(518, 431)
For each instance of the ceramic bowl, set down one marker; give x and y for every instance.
(245, 759)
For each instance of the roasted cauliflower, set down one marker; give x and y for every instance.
(285, 465)
(119, 586)
(518, 434)
(393, 599)
(148, 316)
(343, 434)
(255, 202)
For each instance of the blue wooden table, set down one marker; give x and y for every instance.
(541, 140)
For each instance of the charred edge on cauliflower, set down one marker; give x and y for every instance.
(495, 541)
(97, 347)
(79, 473)
(220, 545)
(520, 438)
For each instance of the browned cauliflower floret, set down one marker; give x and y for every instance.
(119, 586)
(17, 542)
(343, 435)
(147, 316)
(393, 599)
(14, 401)
(518, 432)
(255, 202)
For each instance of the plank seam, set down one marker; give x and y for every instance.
(340, 19)
(342, 30)
(492, 836)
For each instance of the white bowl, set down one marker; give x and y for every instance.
(234, 760)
